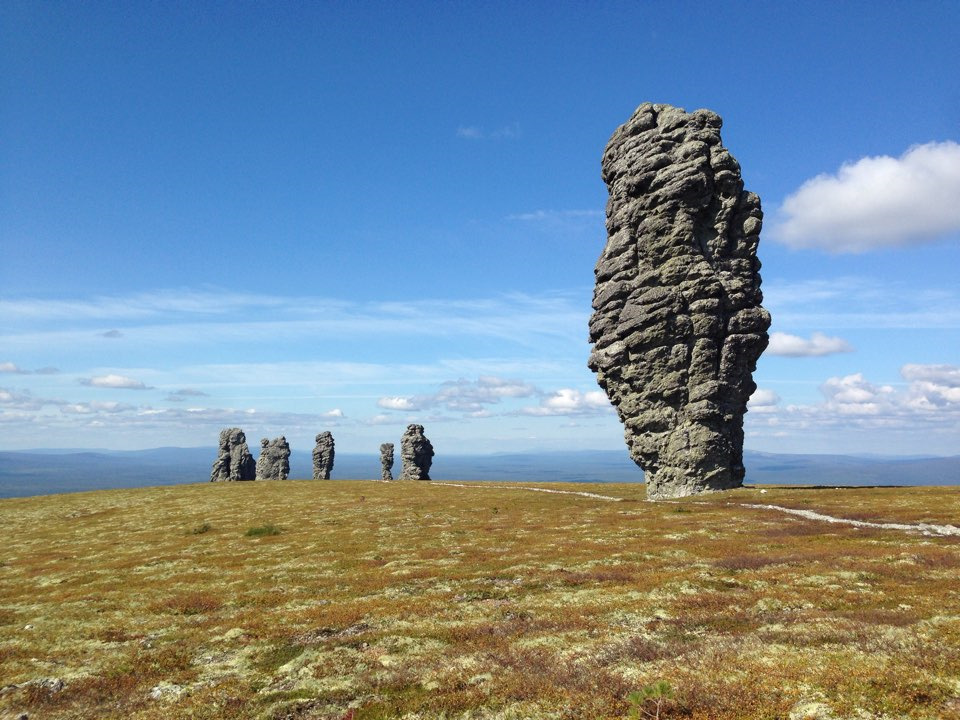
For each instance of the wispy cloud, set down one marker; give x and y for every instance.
(876, 202)
(858, 302)
(214, 317)
(557, 216)
(463, 396)
(817, 345)
(112, 334)
(114, 382)
(185, 394)
(477, 132)
(13, 368)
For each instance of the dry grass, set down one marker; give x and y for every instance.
(414, 600)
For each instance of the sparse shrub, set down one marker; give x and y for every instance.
(201, 529)
(278, 656)
(681, 509)
(648, 701)
(262, 530)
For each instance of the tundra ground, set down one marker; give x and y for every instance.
(363, 600)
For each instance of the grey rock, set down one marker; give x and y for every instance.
(678, 326)
(234, 461)
(417, 454)
(274, 460)
(386, 461)
(323, 456)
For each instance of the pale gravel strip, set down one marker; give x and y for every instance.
(922, 528)
(595, 496)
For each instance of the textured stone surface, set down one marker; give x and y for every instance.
(274, 460)
(234, 461)
(417, 454)
(323, 456)
(677, 326)
(386, 461)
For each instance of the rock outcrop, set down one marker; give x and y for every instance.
(386, 462)
(274, 460)
(677, 326)
(323, 456)
(417, 454)
(234, 461)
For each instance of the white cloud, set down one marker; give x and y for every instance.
(876, 202)
(335, 413)
(853, 395)
(115, 382)
(9, 367)
(568, 401)
(763, 401)
(932, 386)
(818, 345)
(396, 403)
(928, 408)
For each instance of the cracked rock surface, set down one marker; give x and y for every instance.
(323, 454)
(386, 462)
(678, 326)
(274, 460)
(234, 461)
(416, 451)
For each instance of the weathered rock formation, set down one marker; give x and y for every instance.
(417, 454)
(274, 460)
(677, 324)
(323, 456)
(234, 461)
(386, 461)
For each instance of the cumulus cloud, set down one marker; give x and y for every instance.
(763, 401)
(396, 403)
(854, 395)
(9, 367)
(817, 345)
(335, 413)
(114, 382)
(932, 386)
(568, 401)
(876, 202)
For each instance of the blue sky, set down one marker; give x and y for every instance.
(295, 217)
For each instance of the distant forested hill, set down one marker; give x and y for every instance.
(57, 471)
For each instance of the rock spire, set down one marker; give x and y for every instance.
(274, 460)
(234, 461)
(323, 456)
(417, 454)
(386, 461)
(677, 326)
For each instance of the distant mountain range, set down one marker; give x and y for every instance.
(41, 472)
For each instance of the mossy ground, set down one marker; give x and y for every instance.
(371, 600)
